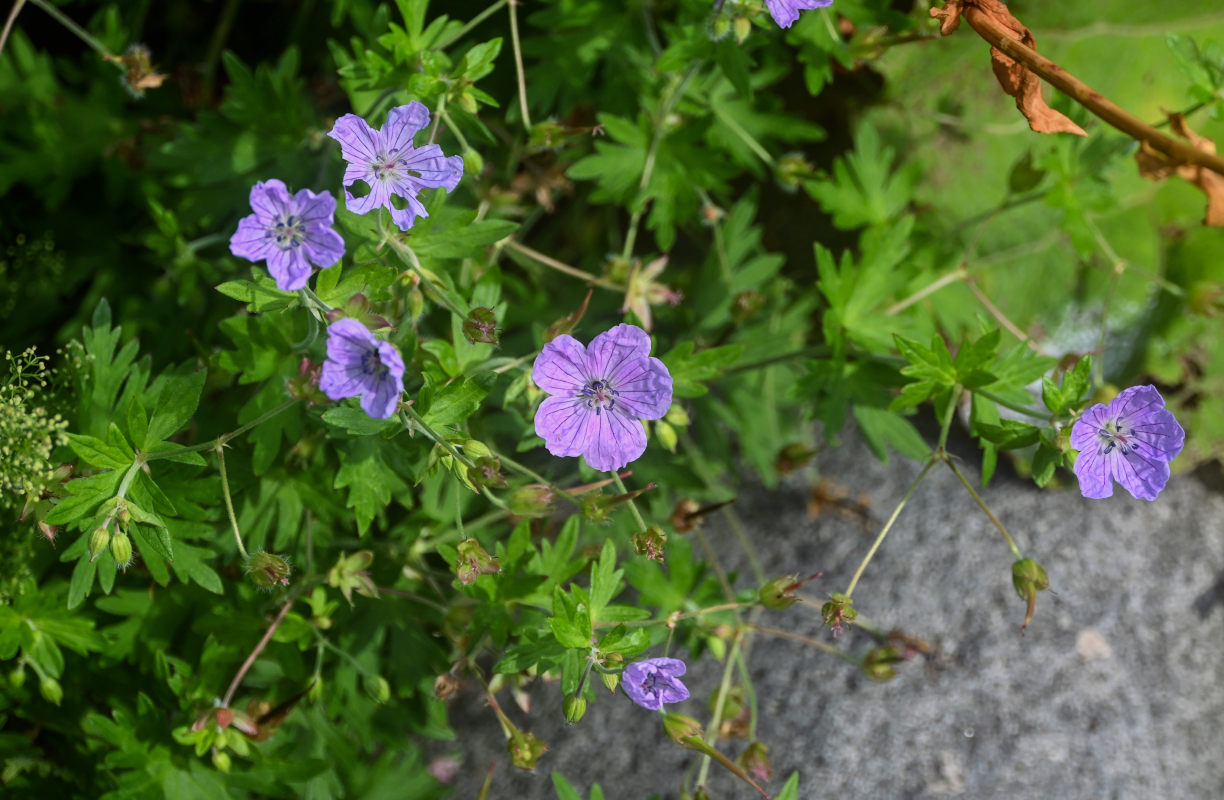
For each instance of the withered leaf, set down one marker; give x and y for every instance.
(1016, 79)
(1156, 166)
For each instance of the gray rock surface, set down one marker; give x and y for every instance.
(1115, 691)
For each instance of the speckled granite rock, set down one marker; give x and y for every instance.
(1115, 691)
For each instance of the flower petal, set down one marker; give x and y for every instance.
(323, 246)
(348, 341)
(403, 123)
(270, 199)
(1085, 433)
(313, 208)
(381, 400)
(378, 197)
(612, 440)
(433, 169)
(562, 423)
(1147, 419)
(251, 240)
(560, 368)
(359, 143)
(1093, 472)
(643, 388)
(289, 267)
(672, 691)
(609, 350)
(406, 217)
(339, 381)
(1142, 476)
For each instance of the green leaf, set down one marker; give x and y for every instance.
(85, 494)
(368, 478)
(138, 423)
(605, 580)
(689, 369)
(357, 422)
(791, 790)
(97, 453)
(81, 583)
(882, 428)
(1009, 434)
(150, 554)
(864, 189)
(1045, 461)
(179, 398)
(455, 402)
(260, 294)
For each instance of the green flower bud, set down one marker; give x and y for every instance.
(480, 327)
(742, 27)
(838, 611)
(525, 749)
(125, 516)
(722, 26)
(1029, 578)
(350, 574)
(1206, 297)
(779, 593)
(755, 761)
(121, 549)
(612, 661)
(487, 472)
(574, 707)
(51, 690)
(221, 760)
(880, 663)
(473, 561)
(99, 540)
(533, 500)
(792, 457)
(649, 543)
(682, 729)
(792, 170)
(267, 570)
(17, 676)
(377, 688)
(746, 305)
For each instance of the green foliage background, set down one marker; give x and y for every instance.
(834, 202)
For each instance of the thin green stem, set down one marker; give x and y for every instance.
(535, 476)
(466, 29)
(8, 23)
(887, 527)
(720, 700)
(949, 413)
(749, 692)
(674, 617)
(420, 424)
(229, 503)
(561, 266)
(669, 102)
(756, 147)
(518, 65)
(76, 29)
(410, 258)
(633, 509)
(1019, 409)
(454, 129)
(263, 642)
(958, 274)
(1010, 542)
(225, 437)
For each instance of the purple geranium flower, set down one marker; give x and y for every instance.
(389, 164)
(289, 232)
(655, 681)
(598, 395)
(1131, 441)
(359, 364)
(785, 12)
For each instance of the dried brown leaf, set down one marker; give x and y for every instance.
(1016, 79)
(1156, 166)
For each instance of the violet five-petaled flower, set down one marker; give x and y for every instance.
(785, 12)
(390, 165)
(1131, 441)
(290, 232)
(359, 364)
(655, 681)
(599, 393)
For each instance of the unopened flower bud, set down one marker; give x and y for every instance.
(1206, 297)
(377, 688)
(682, 729)
(612, 661)
(792, 170)
(445, 686)
(525, 749)
(473, 561)
(480, 327)
(742, 27)
(17, 676)
(574, 707)
(838, 611)
(755, 761)
(50, 689)
(721, 27)
(125, 516)
(779, 593)
(746, 305)
(533, 500)
(880, 662)
(267, 570)
(1029, 578)
(99, 540)
(221, 760)
(649, 543)
(487, 472)
(121, 549)
(684, 516)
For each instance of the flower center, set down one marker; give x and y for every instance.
(599, 395)
(287, 232)
(386, 165)
(650, 684)
(372, 365)
(1115, 435)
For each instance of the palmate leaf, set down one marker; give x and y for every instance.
(864, 188)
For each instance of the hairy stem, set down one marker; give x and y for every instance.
(250, 660)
